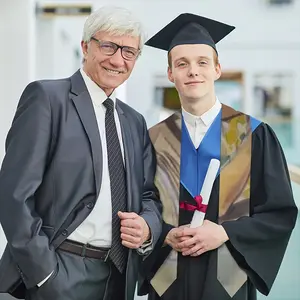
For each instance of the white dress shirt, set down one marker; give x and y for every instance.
(96, 228)
(198, 125)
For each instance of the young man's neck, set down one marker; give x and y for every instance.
(200, 106)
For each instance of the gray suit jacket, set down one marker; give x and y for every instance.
(51, 177)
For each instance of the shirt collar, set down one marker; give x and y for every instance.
(207, 118)
(98, 96)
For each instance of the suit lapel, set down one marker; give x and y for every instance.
(84, 106)
(128, 151)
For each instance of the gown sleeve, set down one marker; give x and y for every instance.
(153, 261)
(258, 242)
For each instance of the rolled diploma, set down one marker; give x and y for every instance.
(210, 177)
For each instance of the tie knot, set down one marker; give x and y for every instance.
(109, 104)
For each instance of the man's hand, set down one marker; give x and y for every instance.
(204, 238)
(134, 230)
(174, 238)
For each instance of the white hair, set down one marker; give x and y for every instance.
(115, 21)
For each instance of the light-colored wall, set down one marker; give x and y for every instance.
(57, 39)
(17, 57)
(17, 61)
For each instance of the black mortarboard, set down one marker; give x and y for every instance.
(190, 29)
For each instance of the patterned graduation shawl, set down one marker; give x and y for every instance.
(232, 133)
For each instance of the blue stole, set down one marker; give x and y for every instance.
(194, 162)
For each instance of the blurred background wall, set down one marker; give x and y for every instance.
(260, 62)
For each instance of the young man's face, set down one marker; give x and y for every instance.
(193, 70)
(109, 71)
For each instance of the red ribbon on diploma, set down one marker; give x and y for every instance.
(199, 206)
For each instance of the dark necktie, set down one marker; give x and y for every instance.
(118, 253)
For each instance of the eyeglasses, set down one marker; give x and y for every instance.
(110, 48)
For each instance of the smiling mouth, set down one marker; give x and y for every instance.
(116, 72)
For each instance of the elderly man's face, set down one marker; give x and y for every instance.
(108, 71)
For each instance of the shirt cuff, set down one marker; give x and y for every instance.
(42, 282)
(146, 247)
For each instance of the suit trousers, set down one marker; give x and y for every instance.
(81, 278)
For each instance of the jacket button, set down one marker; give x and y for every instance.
(64, 232)
(90, 205)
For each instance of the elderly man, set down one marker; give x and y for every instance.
(78, 205)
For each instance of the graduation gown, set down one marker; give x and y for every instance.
(257, 243)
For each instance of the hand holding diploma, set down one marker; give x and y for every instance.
(204, 235)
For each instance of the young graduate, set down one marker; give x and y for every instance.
(251, 212)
